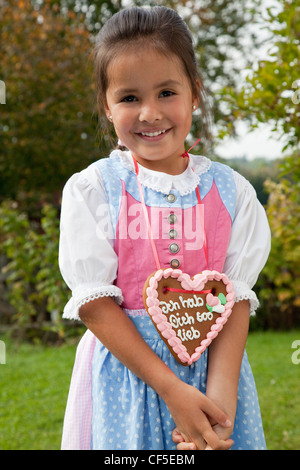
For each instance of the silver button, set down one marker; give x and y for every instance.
(171, 197)
(173, 248)
(172, 218)
(173, 233)
(175, 263)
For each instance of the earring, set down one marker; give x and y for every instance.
(110, 118)
(194, 107)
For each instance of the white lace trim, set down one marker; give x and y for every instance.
(243, 292)
(185, 183)
(81, 296)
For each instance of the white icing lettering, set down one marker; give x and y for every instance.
(177, 321)
(204, 316)
(187, 335)
(168, 307)
(191, 302)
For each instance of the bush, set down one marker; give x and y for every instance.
(279, 283)
(33, 284)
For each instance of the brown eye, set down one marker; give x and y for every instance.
(129, 99)
(166, 93)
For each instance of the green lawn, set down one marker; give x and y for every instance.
(33, 392)
(34, 385)
(278, 384)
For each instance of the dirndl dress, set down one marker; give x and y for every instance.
(104, 250)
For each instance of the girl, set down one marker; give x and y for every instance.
(127, 390)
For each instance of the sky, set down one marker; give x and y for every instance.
(255, 144)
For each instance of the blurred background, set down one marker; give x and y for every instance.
(249, 56)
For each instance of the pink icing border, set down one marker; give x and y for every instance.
(197, 283)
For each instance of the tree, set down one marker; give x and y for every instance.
(280, 280)
(47, 128)
(224, 44)
(272, 91)
(48, 125)
(219, 30)
(271, 95)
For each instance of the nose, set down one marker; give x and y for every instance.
(150, 112)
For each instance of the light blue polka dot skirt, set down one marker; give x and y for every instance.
(129, 415)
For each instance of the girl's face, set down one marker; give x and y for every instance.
(150, 101)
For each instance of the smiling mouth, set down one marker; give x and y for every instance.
(153, 134)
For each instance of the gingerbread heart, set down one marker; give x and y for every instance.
(188, 313)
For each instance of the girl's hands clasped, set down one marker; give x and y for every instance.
(193, 414)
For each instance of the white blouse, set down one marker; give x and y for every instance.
(87, 259)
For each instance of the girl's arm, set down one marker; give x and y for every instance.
(224, 363)
(189, 408)
(225, 358)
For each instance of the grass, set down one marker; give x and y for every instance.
(278, 381)
(34, 386)
(33, 393)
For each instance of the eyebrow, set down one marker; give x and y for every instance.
(130, 91)
(169, 83)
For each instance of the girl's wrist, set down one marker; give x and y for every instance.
(167, 387)
(225, 397)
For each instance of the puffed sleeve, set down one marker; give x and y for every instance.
(249, 244)
(87, 260)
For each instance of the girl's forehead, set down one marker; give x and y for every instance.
(131, 65)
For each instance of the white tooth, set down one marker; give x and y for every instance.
(153, 134)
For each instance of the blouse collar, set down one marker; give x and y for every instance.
(185, 183)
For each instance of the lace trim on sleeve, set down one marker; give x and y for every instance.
(243, 292)
(83, 296)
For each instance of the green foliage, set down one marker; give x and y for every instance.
(271, 93)
(280, 280)
(48, 125)
(47, 128)
(35, 288)
(219, 29)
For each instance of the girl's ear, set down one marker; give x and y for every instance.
(108, 114)
(196, 96)
(107, 110)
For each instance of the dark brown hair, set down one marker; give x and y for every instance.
(158, 27)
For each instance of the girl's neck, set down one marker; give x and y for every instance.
(176, 167)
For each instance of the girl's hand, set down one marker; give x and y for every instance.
(223, 433)
(193, 413)
(181, 443)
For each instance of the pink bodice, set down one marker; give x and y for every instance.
(178, 238)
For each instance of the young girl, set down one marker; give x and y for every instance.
(127, 390)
